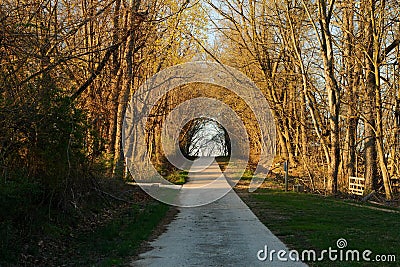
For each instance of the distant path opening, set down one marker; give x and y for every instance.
(204, 137)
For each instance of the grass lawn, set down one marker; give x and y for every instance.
(305, 222)
(178, 177)
(102, 231)
(115, 242)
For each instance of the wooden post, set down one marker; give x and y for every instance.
(286, 169)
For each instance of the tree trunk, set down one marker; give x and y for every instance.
(370, 154)
(124, 94)
(352, 69)
(333, 94)
(379, 125)
(371, 173)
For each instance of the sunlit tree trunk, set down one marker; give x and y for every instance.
(126, 90)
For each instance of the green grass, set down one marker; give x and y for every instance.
(306, 221)
(98, 231)
(247, 175)
(178, 177)
(113, 243)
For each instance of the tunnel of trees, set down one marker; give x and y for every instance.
(204, 137)
(189, 133)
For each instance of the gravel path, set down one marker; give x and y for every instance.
(223, 233)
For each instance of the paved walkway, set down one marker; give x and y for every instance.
(223, 233)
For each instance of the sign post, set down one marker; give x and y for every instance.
(286, 169)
